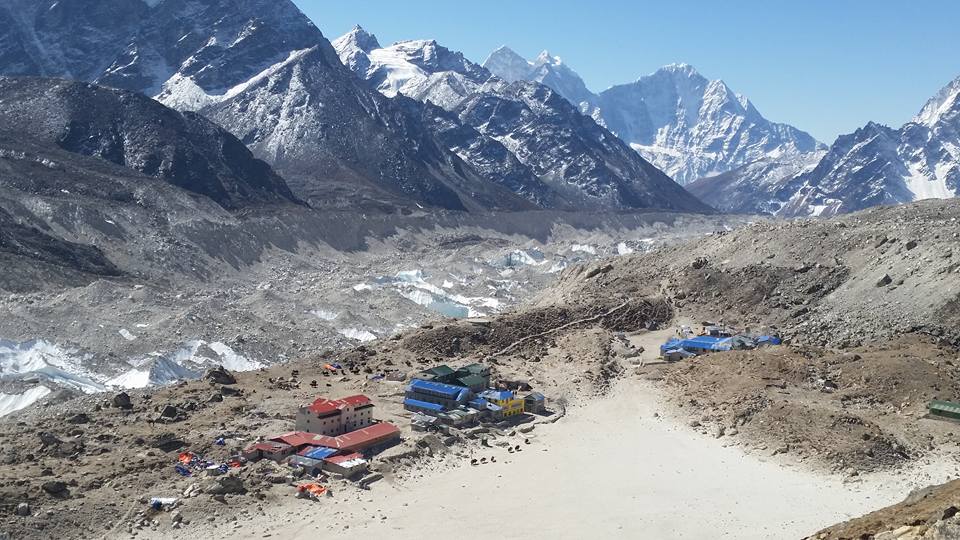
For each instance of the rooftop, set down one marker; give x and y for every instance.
(446, 390)
(439, 371)
(360, 438)
(499, 395)
(325, 406)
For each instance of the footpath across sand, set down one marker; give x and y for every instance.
(610, 469)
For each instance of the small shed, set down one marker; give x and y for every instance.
(312, 466)
(535, 402)
(272, 450)
(944, 409)
(346, 465)
(439, 373)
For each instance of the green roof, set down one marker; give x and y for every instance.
(472, 380)
(474, 368)
(440, 371)
(946, 406)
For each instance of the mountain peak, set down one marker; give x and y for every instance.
(947, 99)
(681, 69)
(508, 65)
(546, 58)
(359, 38)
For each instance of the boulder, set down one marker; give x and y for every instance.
(170, 412)
(48, 439)
(55, 487)
(81, 418)
(122, 401)
(884, 280)
(226, 485)
(219, 375)
(23, 509)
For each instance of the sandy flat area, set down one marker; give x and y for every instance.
(610, 469)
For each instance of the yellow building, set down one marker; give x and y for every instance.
(506, 400)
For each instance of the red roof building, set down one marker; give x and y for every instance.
(378, 434)
(275, 450)
(335, 416)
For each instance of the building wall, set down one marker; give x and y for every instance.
(430, 398)
(346, 420)
(511, 407)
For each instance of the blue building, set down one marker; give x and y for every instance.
(424, 396)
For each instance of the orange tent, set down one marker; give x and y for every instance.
(312, 490)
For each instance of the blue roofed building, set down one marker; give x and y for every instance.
(447, 396)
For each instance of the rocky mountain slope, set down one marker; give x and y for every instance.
(688, 126)
(96, 455)
(133, 131)
(875, 165)
(265, 72)
(268, 75)
(580, 162)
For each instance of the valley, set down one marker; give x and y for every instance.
(259, 281)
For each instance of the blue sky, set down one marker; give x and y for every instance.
(826, 67)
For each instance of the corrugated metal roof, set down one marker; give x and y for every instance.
(358, 439)
(472, 380)
(947, 406)
(439, 371)
(498, 395)
(422, 404)
(448, 391)
(319, 452)
(345, 459)
(324, 405)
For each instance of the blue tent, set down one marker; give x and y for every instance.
(698, 344)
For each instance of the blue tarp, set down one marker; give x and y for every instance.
(447, 391)
(320, 452)
(768, 340)
(478, 403)
(422, 405)
(698, 343)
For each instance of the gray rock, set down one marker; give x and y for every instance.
(170, 412)
(48, 439)
(884, 280)
(220, 375)
(122, 401)
(23, 509)
(55, 487)
(226, 485)
(81, 418)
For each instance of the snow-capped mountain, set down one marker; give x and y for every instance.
(183, 149)
(571, 153)
(262, 70)
(751, 188)
(693, 127)
(420, 69)
(582, 164)
(686, 125)
(874, 165)
(545, 69)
